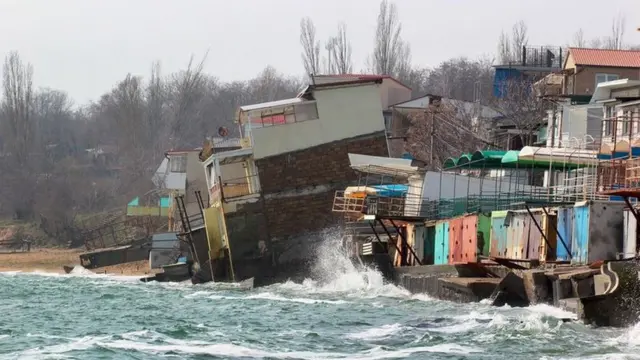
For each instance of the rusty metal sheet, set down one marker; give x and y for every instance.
(533, 240)
(549, 225)
(470, 238)
(456, 226)
(515, 233)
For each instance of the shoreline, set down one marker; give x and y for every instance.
(49, 260)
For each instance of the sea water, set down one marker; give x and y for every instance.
(345, 312)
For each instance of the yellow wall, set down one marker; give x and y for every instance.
(216, 231)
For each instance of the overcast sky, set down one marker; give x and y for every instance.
(86, 46)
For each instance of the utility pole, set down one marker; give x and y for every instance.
(434, 106)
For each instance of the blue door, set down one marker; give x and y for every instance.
(580, 243)
(565, 230)
(441, 243)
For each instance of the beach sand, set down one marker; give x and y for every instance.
(52, 260)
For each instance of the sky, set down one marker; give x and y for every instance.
(86, 46)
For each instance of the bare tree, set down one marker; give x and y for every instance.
(310, 46)
(578, 39)
(340, 54)
(448, 129)
(19, 173)
(521, 108)
(327, 61)
(389, 46)
(16, 106)
(615, 41)
(510, 45)
(186, 92)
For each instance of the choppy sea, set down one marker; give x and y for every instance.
(343, 313)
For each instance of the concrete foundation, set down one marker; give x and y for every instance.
(609, 296)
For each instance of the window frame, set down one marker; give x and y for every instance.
(607, 77)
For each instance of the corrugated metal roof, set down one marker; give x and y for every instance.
(361, 77)
(604, 57)
(603, 90)
(271, 104)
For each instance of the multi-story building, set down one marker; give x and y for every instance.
(271, 200)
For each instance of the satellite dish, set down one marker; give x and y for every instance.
(223, 131)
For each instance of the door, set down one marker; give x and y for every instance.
(580, 234)
(565, 229)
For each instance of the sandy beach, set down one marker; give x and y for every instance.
(52, 260)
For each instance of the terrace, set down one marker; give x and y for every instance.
(274, 113)
(232, 176)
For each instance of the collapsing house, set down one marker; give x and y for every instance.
(268, 201)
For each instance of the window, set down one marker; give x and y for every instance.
(605, 77)
(178, 164)
(626, 122)
(609, 119)
(387, 120)
(280, 116)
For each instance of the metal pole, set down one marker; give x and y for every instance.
(538, 226)
(405, 242)
(555, 228)
(433, 131)
(388, 234)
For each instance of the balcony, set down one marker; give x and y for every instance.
(280, 112)
(275, 113)
(542, 57)
(239, 187)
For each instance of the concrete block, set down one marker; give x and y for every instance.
(536, 286)
(600, 283)
(561, 289)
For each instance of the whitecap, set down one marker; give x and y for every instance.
(377, 333)
(274, 297)
(232, 350)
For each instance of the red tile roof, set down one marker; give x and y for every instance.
(603, 57)
(365, 77)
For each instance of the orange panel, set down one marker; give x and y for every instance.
(470, 238)
(456, 229)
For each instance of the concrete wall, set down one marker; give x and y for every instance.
(575, 122)
(279, 231)
(344, 112)
(196, 178)
(605, 230)
(391, 92)
(585, 79)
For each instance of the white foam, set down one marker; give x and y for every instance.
(273, 297)
(334, 273)
(80, 270)
(630, 337)
(232, 350)
(377, 333)
(55, 351)
(551, 311)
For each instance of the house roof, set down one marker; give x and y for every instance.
(603, 90)
(271, 104)
(606, 58)
(466, 106)
(365, 77)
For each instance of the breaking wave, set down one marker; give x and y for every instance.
(344, 311)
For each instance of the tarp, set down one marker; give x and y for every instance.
(395, 190)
